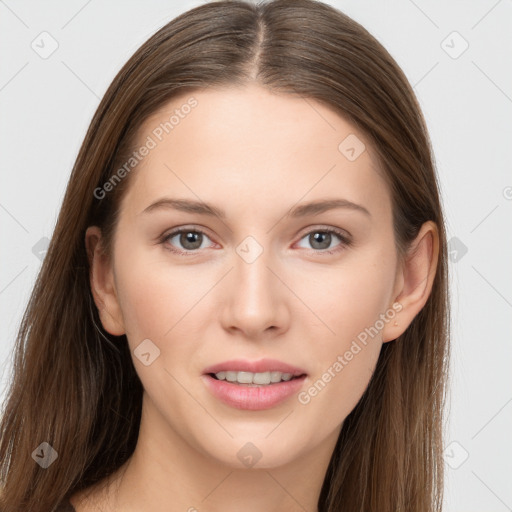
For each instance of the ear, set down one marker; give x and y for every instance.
(102, 283)
(414, 280)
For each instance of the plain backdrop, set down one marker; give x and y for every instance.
(58, 57)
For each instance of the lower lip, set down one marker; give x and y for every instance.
(253, 398)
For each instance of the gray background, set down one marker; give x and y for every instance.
(465, 93)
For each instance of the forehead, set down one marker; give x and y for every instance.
(248, 146)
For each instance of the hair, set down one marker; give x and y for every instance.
(74, 385)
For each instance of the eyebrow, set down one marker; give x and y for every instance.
(302, 210)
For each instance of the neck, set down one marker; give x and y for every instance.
(168, 472)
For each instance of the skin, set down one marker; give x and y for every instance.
(256, 155)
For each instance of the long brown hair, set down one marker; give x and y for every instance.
(74, 385)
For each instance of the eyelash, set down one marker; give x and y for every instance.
(345, 241)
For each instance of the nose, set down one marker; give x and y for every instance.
(255, 299)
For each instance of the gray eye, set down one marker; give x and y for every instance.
(189, 239)
(321, 239)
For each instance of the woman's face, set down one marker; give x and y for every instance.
(270, 278)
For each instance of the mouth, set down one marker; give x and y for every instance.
(254, 385)
(251, 396)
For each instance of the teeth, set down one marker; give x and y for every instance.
(253, 378)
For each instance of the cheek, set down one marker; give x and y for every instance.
(349, 299)
(352, 303)
(155, 297)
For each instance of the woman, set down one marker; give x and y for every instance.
(244, 303)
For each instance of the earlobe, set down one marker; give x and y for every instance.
(415, 280)
(102, 283)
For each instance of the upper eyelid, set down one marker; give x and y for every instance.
(174, 232)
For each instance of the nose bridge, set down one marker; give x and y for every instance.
(253, 299)
(251, 272)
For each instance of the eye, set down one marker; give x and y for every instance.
(189, 239)
(320, 240)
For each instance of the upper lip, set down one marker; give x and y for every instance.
(263, 365)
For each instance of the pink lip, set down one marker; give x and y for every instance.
(253, 398)
(263, 365)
